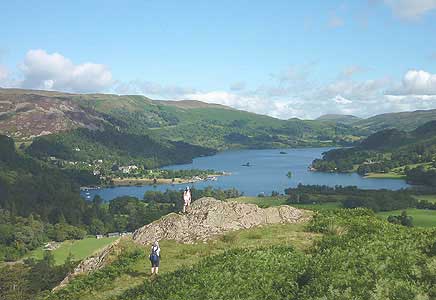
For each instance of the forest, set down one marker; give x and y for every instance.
(114, 147)
(409, 154)
(41, 203)
(353, 197)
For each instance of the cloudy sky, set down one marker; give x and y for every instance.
(282, 58)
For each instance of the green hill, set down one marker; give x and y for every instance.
(345, 119)
(135, 129)
(403, 120)
(358, 256)
(388, 153)
(27, 186)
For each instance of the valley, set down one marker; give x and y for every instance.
(141, 152)
(218, 150)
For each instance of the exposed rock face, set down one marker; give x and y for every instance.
(92, 263)
(209, 217)
(28, 114)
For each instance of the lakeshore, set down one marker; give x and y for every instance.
(131, 181)
(267, 172)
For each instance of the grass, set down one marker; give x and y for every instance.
(281, 200)
(429, 198)
(261, 201)
(421, 217)
(79, 249)
(178, 256)
(396, 173)
(319, 207)
(389, 175)
(411, 166)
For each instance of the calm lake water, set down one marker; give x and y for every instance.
(267, 172)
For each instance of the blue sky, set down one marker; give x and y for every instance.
(282, 58)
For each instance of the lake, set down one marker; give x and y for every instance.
(267, 173)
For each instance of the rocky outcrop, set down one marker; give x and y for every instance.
(94, 262)
(206, 219)
(209, 217)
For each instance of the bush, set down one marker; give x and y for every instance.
(265, 273)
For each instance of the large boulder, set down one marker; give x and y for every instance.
(206, 218)
(209, 217)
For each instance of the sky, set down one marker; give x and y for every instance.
(281, 58)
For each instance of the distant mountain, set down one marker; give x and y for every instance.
(403, 120)
(407, 121)
(345, 119)
(387, 150)
(189, 104)
(395, 139)
(26, 114)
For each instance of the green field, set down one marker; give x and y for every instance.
(429, 198)
(79, 249)
(261, 201)
(176, 256)
(281, 200)
(421, 217)
(396, 173)
(389, 175)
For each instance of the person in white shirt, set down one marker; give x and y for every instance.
(186, 199)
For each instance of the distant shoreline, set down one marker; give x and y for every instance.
(131, 181)
(385, 176)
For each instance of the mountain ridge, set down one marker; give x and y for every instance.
(28, 115)
(346, 119)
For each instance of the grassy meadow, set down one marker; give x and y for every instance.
(79, 249)
(177, 256)
(421, 217)
(281, 200)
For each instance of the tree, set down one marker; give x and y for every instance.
(97, 227)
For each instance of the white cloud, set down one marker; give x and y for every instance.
(152, 89)
(42, 70)
(341, 100)
(286, 99)
(411, 9)
(286, 94)
(225, 98)
(355, 89)
(278, 108)
(416, 82)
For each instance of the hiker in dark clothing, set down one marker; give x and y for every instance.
(155, 258)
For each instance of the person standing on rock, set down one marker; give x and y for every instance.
(155, 258)
(186, 199)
